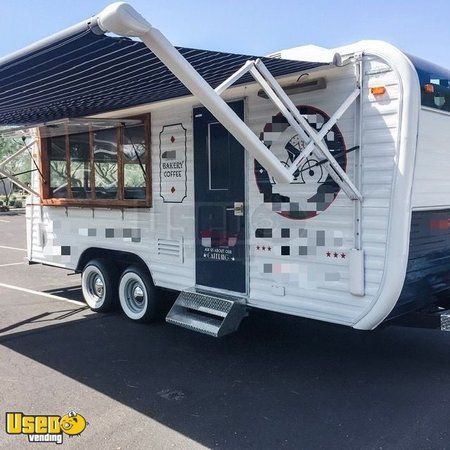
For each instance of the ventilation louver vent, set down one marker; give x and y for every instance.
(172, 248)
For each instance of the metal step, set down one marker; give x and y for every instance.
(435, 318)
(206, 312)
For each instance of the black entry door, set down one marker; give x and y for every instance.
(219, 199)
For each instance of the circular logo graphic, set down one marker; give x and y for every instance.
(312, 190)
(72, 423)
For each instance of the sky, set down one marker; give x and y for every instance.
(251, 26)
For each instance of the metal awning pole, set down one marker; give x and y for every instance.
(297, 121)
(325, 128)
(346, 184)
(17, 182)
(233, 78)
(122, 19)
(180, 67)
(16, 154)
(4, 172)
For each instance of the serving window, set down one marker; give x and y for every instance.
(92, 164)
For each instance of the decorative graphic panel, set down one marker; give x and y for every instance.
(312, 190)
(172, 160)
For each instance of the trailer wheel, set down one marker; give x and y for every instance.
(137, 295)
(99, 285)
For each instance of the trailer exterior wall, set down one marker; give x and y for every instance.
(427, 279)
(319, 286)
(299, 273)
(431, 187)
(315, 285)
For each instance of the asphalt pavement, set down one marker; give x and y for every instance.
(279, 382)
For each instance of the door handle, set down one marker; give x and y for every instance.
(238, 208)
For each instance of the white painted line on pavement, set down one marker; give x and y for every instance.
(12, 264)
(42, 294)
(13, 248)
(4, 221)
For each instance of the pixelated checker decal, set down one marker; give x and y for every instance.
(277, 133)
(302, 242)
(302, 275)
(57, 250)
(325, 247)
(126, 234)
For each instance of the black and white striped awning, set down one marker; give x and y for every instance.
(85, 72)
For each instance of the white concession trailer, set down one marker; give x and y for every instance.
(312, 182)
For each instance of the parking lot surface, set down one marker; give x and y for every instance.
(279, 382)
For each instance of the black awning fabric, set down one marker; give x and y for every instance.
(85, 73)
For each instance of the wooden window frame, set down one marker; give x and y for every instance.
(120, 201)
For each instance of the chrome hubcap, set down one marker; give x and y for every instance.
(95, 285)
(135, 296)
(99, 287)
(138, 294)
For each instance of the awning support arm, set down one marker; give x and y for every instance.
(122, 19)
(6, 173)
(17, 182)
(317, 146)
(16, 154)
(315, 140)
(233, 78)
(325, 129)
(19, 173)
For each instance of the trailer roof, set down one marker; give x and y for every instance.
(83, 71)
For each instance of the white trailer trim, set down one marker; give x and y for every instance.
(399, 226)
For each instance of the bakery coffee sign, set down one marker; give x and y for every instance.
(172, 163)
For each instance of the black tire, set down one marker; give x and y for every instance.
(138, 295)
(99, 285)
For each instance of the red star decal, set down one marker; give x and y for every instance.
(335, 254)
(269, 248)
(257, 247)
(343, 255)
(264, 248)
(329, 254)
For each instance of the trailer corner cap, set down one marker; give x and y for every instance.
(122, 19)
